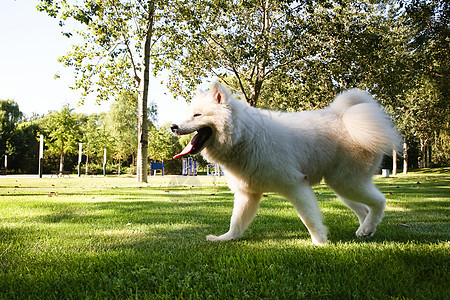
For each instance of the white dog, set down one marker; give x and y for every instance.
(287, 153)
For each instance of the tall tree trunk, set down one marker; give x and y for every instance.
(422, 155)
(87, 165)
(61, 162)
(118, 169)
(394, 162)
(430, 160)
(142, 164)
(405, 158)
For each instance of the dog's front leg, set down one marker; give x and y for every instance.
(244, 210)
(304, 201)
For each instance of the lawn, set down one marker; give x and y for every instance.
(112, 238)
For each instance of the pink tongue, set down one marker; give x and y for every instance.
(188, 148)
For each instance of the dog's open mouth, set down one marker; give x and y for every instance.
(197, 143)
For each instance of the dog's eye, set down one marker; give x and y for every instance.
(197, 115)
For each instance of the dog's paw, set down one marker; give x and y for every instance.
(224, 237)
(365, 232)
(213, 238)
(320, 242)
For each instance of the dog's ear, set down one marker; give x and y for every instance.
(218, 93)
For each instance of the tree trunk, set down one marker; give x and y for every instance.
(394, 163)
(422, 156)
(405, 158)
(142, 163)
(61, 163)
(256, 92)
(87, 165)
(430, 160)
(118, 169)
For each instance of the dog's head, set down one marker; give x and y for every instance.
(209, 114)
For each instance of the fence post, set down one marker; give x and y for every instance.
(394, 163)
(104, 162)
(41, 155)
(80, 154)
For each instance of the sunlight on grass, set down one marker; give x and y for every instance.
(396, 208)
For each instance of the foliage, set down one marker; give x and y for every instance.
(250, 40)
(17, 139)
(341, 35)
(10, 116)
(95, 138)
(63, 133)
(424, 108)
(25, 157)
(281, 54)
(429, 24)
(105, 62)
(298, 55)
(121, 122)
(425, 111)
(117, 239)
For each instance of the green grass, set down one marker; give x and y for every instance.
(112, 238)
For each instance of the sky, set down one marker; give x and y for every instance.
(30, 44)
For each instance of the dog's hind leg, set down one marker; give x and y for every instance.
(358, 198)
(305, 202)
(361, 210)
(244, 211)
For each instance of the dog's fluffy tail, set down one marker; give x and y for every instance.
(366, 122)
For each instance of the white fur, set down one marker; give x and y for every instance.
(287, 153)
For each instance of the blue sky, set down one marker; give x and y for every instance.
(31, 43)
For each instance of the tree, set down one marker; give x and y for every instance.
(121, 121)
(63, 133)
(302, 52)
(430, 48)
(249, 40)
(424, 108)
(115, 53)
(10, 116)
(26, 148)
(429, 24)
(94, 137)
(17, 138)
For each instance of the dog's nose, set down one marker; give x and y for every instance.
(174, 128)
